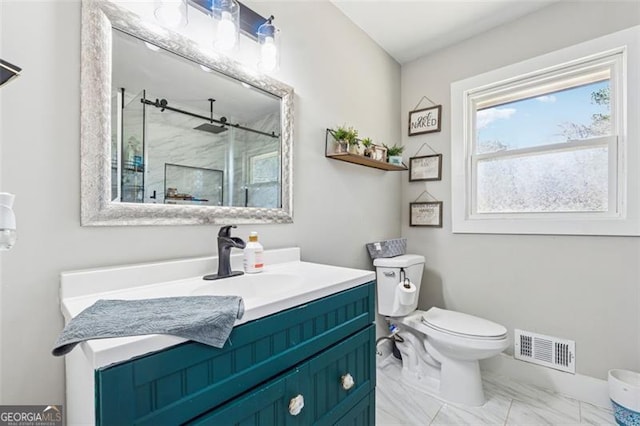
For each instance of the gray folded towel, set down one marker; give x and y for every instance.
(205, 319)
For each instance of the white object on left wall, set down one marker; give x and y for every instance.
(7, 221)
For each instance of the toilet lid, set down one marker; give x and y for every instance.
(462, 324)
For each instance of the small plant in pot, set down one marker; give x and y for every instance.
(394, 154)
(354, 146)
(345, 136)
(367, 143)
(352, 140)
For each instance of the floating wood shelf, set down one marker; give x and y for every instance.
(365, 161)
(357, 158)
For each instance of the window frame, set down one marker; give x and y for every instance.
(616, 52)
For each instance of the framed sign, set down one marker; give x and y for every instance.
(428, 167)
(425, 120)
(378, 153)
(426, 214)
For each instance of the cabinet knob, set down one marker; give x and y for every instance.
(295, 405)
(347, 381)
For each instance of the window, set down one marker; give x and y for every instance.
(264, 168)
(542, 146)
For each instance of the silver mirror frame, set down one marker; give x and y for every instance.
(97, 209)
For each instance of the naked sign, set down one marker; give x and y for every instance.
(425, 120)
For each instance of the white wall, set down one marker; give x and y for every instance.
(581, 288)
(340, 76)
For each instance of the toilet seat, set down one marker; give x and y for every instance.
(463, 325)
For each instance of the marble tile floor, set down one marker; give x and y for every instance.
(508, 403)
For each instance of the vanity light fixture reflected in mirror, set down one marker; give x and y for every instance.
(151, 46)
(171, 13)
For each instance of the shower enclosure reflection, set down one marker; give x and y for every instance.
(189, 136)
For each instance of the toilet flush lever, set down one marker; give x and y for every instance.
(389, 274)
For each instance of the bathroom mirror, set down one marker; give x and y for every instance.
(174, 134)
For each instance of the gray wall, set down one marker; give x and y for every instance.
(339, 76)
(581, 288)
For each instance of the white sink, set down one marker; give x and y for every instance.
(255, 286)
(286, 282)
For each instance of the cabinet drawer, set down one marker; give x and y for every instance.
(361, 414)
(182, 382)
(318, 381)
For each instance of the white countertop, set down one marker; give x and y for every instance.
(286, 282)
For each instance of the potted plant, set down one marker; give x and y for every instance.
(366, 143)
(345, 137)
(354, 146)
(352, 140)
(340, 136)
(394, 154)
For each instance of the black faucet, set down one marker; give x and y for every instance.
(225, 243)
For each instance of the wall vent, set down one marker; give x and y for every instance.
(545, 350)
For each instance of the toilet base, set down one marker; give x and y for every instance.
(451, 380)
(461, 383)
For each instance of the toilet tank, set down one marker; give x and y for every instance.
(388, 276)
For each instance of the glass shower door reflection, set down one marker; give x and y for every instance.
(132, 153)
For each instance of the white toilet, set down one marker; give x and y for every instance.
(440, 348)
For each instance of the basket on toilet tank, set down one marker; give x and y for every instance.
(624, 391)
(395, 299)
(387, 248)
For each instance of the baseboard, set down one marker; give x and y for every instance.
(578, 386)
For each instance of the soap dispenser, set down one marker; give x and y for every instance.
(253, 255)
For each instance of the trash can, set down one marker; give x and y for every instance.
(624, 391)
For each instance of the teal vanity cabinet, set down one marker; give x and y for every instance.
(321, 353)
